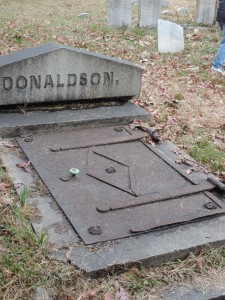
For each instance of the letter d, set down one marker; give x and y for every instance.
(7, 83)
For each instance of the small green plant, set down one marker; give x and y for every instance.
(42, 239)
(135, 282)
(206, 153)
(23, 195)
(18, 38)
(151, 282)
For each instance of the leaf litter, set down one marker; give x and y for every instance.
(184, 100)
(24, 166)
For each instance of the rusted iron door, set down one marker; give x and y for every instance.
(125, 186)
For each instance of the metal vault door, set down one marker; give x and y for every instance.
(125, 186)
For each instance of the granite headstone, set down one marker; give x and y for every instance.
(165, 3)
(206, 11)
(170, 37)
(119, 13)
(53, 72)
(149, 13)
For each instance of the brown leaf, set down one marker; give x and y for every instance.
(69, 253)
(121, 293)
(5, 202)
(7, 273)
(198, 264)
(24, 166)
(134, 271)
(149, 141)
(91, 294)
(189, 171)
(52, 247)
(4, 186)
(176, 150)
(223, 175)
(8, 145)
(108, 296)
(88, 295)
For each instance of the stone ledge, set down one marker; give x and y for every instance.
(15, 124)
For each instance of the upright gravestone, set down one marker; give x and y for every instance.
(53, 72)
(165, 3)
(149, 13)
(206, 11)
(119, 13)
(170, 37)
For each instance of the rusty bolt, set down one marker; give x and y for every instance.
(210, 205)
(118, 129)
(110, 170)
(95, 230)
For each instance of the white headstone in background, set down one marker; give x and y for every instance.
(167, 12)
(170, 37)
(206, 11)
(149, 13)
(119, 13)
(165, 3)
(182, 11)
(134, 2)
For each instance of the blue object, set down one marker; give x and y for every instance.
(74, 171)
(220, 56)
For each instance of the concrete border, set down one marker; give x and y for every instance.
(15, 124)
(151, 248)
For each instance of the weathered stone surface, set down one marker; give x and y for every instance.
(134, 2)
(150, 248)
(149, 13)
(53, 72)
(206, 11)
(209, 290)
(182, 11)
(165, 3)
(170, 37)
(119, 13)
(14, 124)
(167, 12)
(41, 294)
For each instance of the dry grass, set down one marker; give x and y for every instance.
(187, 106)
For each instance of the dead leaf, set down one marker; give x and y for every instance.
(5, 202)
(7, 273)
(176, 150)
(198, 264)
(189, 171)
(223, 175)
(87, 295)
(8, 145)
(69, 253)
(108, 296)
(134, 271)
(183, 160)
(121, 293)
(149, 141)
(4, 186)
(91, 294)
(52, 247)
(24, 166)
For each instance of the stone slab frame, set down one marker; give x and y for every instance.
(54, 72)
(149, 13)
(206, 15)
(119, 13)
